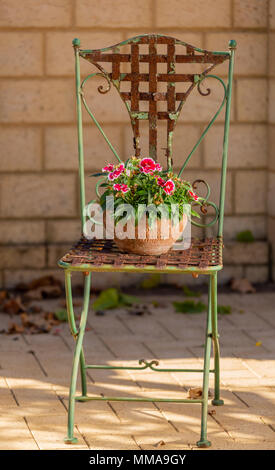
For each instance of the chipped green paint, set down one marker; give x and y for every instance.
(139, 115)
(169, 145)
(174, 116)
(116, 83)
(198, 78)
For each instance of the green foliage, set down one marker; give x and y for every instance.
(144, 189)
(224, 309)
(190, 293)
(125, 299)
(113, 298)
(246, 236)
(61, 315)
(189, 306)
(151, 281)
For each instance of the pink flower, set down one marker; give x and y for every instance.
(158, 167)
(116, 173)
(160, 181)
(148, 165)
(169, 187)
(111, 176)
(193, 195)
(121, 187)
(108, 168)
(125, 188)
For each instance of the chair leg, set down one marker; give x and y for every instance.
(203, 442)
(78, 353)
(216, 347)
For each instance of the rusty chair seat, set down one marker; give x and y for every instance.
(202, 257)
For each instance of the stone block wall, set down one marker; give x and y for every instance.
(39, 206)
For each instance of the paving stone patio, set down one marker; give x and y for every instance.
(35, 372)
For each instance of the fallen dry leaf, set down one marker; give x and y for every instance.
(3, 296)
(34, 324)
(196, 392)
(45, 292)
(13, 306)
(159, 444)
(14, 328)
(242, 285)
(34, 294)
(40, 282)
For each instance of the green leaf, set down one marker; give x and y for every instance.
(61, 315)
(246, 236)
(151, 281)
(97, 174)
(189, 306)
(190, 293)
(224, 309)
(125, 299)
(107, 299)
(113, 298)
(195, 214)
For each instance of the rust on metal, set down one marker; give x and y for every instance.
(201, 254)
(174, 99)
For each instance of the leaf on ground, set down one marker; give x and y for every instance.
(13, 306)
(40, 282)
(138, 310)
(34, 324)
(242, 285)
(159, 444)
(61, 315)
(151, 281)
(107, 299)
(189, 306)
(245, 237)
(113, 298)
(3, 296)
(190, 293)
(14, 329)
(196, 392)
(224, 309)
(43, 292)
(125, 299)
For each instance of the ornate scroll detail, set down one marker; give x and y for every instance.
(101, 90)
(199, 79)
(208, 90)
(149, 365)
(205, 204)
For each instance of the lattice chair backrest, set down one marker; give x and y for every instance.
(114, 60)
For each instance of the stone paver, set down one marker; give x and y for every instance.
(35, 374)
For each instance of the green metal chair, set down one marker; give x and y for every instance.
(204, 256)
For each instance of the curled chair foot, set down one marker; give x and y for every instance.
(204, 443)
(217, 402)
(70, 440)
